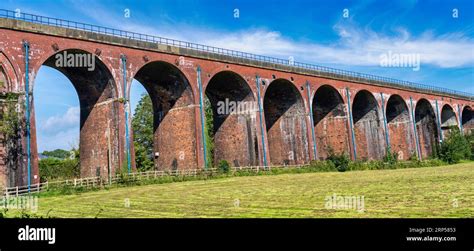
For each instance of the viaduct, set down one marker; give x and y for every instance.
(302, 111)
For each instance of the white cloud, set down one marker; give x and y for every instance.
(61, 122)
(63, 139)
(354, 47)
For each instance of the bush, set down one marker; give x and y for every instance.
(224, 166)
(53, 168)
(455, 147)
(340, 161)
(322, 166)
(58, 153)
(390, 157)
(470, 139)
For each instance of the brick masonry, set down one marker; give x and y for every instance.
(170, 76)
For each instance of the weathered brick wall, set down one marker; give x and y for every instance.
(400, 128)
(233, 106)
(368, 127)
(286, 124)
(174, 120)
(330, 122)
(426, 128)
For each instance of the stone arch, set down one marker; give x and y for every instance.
(234, 119)
(399, 127)
(467, 119)
(174, 118)
(285, 123)
(425, 120)
(448, 119)
(330, 121)
(10, 76)
(99, 124)
(12, 169)
(368, 128)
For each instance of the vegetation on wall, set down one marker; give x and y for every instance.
(11, 128)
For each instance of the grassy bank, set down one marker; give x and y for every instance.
(444, 191)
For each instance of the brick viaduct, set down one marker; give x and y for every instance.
(301, 113)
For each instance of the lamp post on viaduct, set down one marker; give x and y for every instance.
(302, 112)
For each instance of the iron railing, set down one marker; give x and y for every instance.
(233, 53)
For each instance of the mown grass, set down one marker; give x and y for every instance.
(444, 191)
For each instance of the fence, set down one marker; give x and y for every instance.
(325, 71)
(98, 181)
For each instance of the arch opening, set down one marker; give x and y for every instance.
(285, 124)
(330, 122)
(425, 120)
(368, 130)
(233, 131)
(174, 126)
(448, 120)
(468, 119)
(98, 123)
(399, 127)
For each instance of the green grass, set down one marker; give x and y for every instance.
(412, 192)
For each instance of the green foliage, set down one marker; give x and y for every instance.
(340, 161)
(54, 168)
(413, 157)
(142, 125)
(455, 147)
(381, 165)
(11, 128)
(390, 157)
(470, 139)
(322, 166)
(224, 166)
(10, 124)
(3, 213)
(58, 153)
(209, 132)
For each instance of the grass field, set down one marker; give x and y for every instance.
(446, 191)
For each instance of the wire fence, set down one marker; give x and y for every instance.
(325, 71)
(98, 181)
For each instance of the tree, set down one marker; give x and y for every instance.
(58, 153)
(11, 128)
(455, 147)
(209, 132)
(142, 126)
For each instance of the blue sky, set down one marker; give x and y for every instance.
(309, 31)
